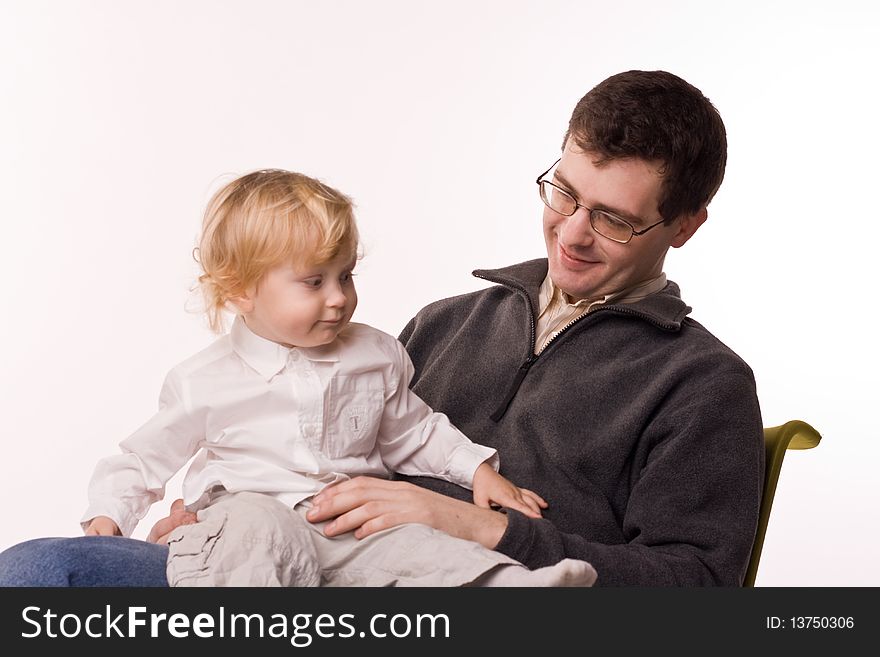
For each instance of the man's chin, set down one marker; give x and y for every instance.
(576, 284)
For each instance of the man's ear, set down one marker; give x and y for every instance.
(687, 226)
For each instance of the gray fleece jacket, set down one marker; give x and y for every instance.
(639, 427)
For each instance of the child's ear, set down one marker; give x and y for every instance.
(244, 303)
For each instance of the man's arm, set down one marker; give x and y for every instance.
(367, 505)
(692, 510)
(178, 516)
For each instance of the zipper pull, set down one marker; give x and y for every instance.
(511, 393)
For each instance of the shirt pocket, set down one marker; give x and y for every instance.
(355, 406)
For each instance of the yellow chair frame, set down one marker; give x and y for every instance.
(794, 434)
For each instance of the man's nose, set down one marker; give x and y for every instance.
(577, 230)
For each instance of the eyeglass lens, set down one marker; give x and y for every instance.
(603, 223)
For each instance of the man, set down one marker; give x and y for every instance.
(640, 429)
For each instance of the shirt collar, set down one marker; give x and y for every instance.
(549, 293)
(665, 309)
(267, 357)
(639, 291)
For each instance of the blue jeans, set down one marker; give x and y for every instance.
(84, 561)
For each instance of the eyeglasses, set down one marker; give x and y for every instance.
(606, 223)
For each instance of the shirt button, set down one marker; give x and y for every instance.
(293, 357)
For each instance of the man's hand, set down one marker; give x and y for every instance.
(489, 487)
(367, 505)
(103, 526)
(178, 516)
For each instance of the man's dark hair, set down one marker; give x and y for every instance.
(655, 115)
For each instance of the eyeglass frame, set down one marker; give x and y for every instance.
(633, 232)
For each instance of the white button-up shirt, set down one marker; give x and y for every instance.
(283, 421)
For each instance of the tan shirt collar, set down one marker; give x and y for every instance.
(556, 308)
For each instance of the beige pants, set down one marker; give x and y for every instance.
(250, 539)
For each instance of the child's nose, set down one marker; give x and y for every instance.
(335, 297)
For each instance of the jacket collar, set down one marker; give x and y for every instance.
(664, 309)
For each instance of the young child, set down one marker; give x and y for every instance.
(294, 398)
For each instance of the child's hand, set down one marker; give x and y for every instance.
(102, 526)
(489, 487)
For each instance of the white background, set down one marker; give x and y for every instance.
(119, 119)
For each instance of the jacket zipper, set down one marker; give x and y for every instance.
(533, 357)
(530, 360)
(526, 366)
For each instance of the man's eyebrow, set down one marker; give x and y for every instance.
(631, 218)
(562, 179)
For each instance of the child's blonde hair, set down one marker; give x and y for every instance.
(261, 220)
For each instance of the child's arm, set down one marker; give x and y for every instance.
(490, 487)
(124, 486)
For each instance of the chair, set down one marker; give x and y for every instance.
(791, 435)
